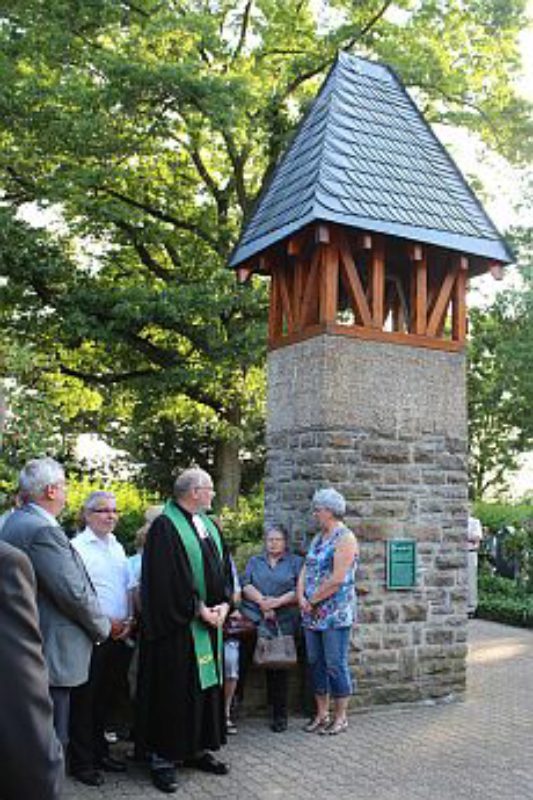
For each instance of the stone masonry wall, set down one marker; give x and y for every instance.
(386, 425)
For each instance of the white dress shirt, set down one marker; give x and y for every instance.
(107, 565)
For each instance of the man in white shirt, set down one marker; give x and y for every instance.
(475, 535)
(107, 566)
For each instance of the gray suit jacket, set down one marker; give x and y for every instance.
(30, 754)
(69, 614)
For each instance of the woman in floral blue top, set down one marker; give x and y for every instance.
(326, 595)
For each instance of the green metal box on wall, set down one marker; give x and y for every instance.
(401, 563)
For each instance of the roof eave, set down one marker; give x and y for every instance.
(494, 250)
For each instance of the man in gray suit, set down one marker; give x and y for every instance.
(30, 753)
(69, 615)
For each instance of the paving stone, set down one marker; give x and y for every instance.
(480, 748)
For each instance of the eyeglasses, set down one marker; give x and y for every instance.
(102, 510)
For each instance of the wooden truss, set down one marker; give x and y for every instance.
(328, 279)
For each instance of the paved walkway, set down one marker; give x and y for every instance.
(479, 749)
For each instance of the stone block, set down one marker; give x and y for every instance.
(389, 657)
(439, 579)
(408, 663)
(391, 613)
(452, 461)
(396, 693)
(379, 530)
(440, 636)
(425, 533)
(451, 561)
(367, 614)
(384, 509)
(395, 641)
(404, 475)
(383, 452)
(414, 612)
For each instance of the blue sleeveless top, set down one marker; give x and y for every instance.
(337, 611)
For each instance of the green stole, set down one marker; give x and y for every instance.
(209, 671)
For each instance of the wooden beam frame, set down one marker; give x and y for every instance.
(459, 323)
(438, 314)
(377, 281)
(285, 299)
(275, 314)
(353, 284)
(372, 334)
(316, 262)
(329, 284)
(419, 290)
(310, 297)
(297, 292)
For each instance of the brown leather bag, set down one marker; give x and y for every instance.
(275, 652)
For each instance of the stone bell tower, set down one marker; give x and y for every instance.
(369, 234)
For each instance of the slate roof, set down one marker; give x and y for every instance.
(365, 157)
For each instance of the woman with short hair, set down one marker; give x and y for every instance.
(326, 596)
(269, 589)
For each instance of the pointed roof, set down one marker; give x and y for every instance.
(365, 157)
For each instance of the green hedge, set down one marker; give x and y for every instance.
(502, 600)
(497, 515)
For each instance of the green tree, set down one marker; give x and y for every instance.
(500, 381)
(151, 127)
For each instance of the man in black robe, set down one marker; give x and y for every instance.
(185, 591)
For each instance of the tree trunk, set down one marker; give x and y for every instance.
(227, 463)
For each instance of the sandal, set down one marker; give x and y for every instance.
(231, 728)
(317, 725)
(335, 728)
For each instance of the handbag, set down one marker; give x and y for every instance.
(275, 652)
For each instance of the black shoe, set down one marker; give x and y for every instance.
(279, 725)
(165, 779)
(90, 777)
(110, 764)
(207, 763)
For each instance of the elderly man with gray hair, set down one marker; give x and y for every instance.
(186, 586)
(91, 703)
(69, 614)
(326, 596)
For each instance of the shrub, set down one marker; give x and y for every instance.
(243, 528)
(509, 610)
(504, 600)
(498, 515)
(131, 502)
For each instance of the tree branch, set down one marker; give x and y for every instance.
(238, 161)
(172, 254)
(165, 217)
(137, 10)
(193, 391)
(108, 378)
(370, 24)
(459, 101)
(204, 173)
(244, 30)
(151, 263)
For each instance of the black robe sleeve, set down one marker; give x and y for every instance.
(169, 599)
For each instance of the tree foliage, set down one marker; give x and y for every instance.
(150, 127)
(500, 381)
